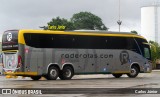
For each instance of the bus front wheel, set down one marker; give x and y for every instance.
(117, 75)
(134, 72)
(53, 73)
(35, 77)
(67, 73)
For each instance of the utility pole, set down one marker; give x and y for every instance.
(119, 21)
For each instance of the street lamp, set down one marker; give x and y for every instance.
(119, 21)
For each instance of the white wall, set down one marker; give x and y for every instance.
(158, 25)
(148, 23)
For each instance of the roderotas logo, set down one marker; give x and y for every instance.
(9, 36)
(124, 57)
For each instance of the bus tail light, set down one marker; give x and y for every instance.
(19, 61)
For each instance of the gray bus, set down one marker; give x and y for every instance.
(63, 54)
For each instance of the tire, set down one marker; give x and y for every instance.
(35, 77)
(67, 73)
(117, 75)
(53, 73)
(134, 72)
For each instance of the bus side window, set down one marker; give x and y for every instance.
(116, 42)
(132, 45)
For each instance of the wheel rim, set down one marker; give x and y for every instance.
(53, 73)
(68, 73)
(133, 72)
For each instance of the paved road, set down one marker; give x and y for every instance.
(86, 85)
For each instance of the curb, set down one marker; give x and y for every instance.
(156, 70)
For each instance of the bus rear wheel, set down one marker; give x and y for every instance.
(134, 72)
(67, 73)
(35, 77)
(53, 73)
(117, 75)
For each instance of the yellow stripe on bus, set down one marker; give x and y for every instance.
(10, 51)
(124, 72)
(21, 32)
(21, 73)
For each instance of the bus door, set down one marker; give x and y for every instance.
(147, 55)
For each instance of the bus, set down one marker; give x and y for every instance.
(63, 54)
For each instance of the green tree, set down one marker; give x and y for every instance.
(87, 20)
(135, 32)
(82, 20)
(155, 52)
(59, 24)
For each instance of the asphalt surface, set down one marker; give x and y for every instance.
(86, 86)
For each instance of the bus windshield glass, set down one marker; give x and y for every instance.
(10, 40)
(147, 53)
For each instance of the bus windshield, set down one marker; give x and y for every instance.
(10, 40)
(147, 53)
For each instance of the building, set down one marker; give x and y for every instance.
(150, 22)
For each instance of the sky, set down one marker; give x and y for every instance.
(31, 14)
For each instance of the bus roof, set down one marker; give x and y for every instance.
(78, 32)
(84, 32)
